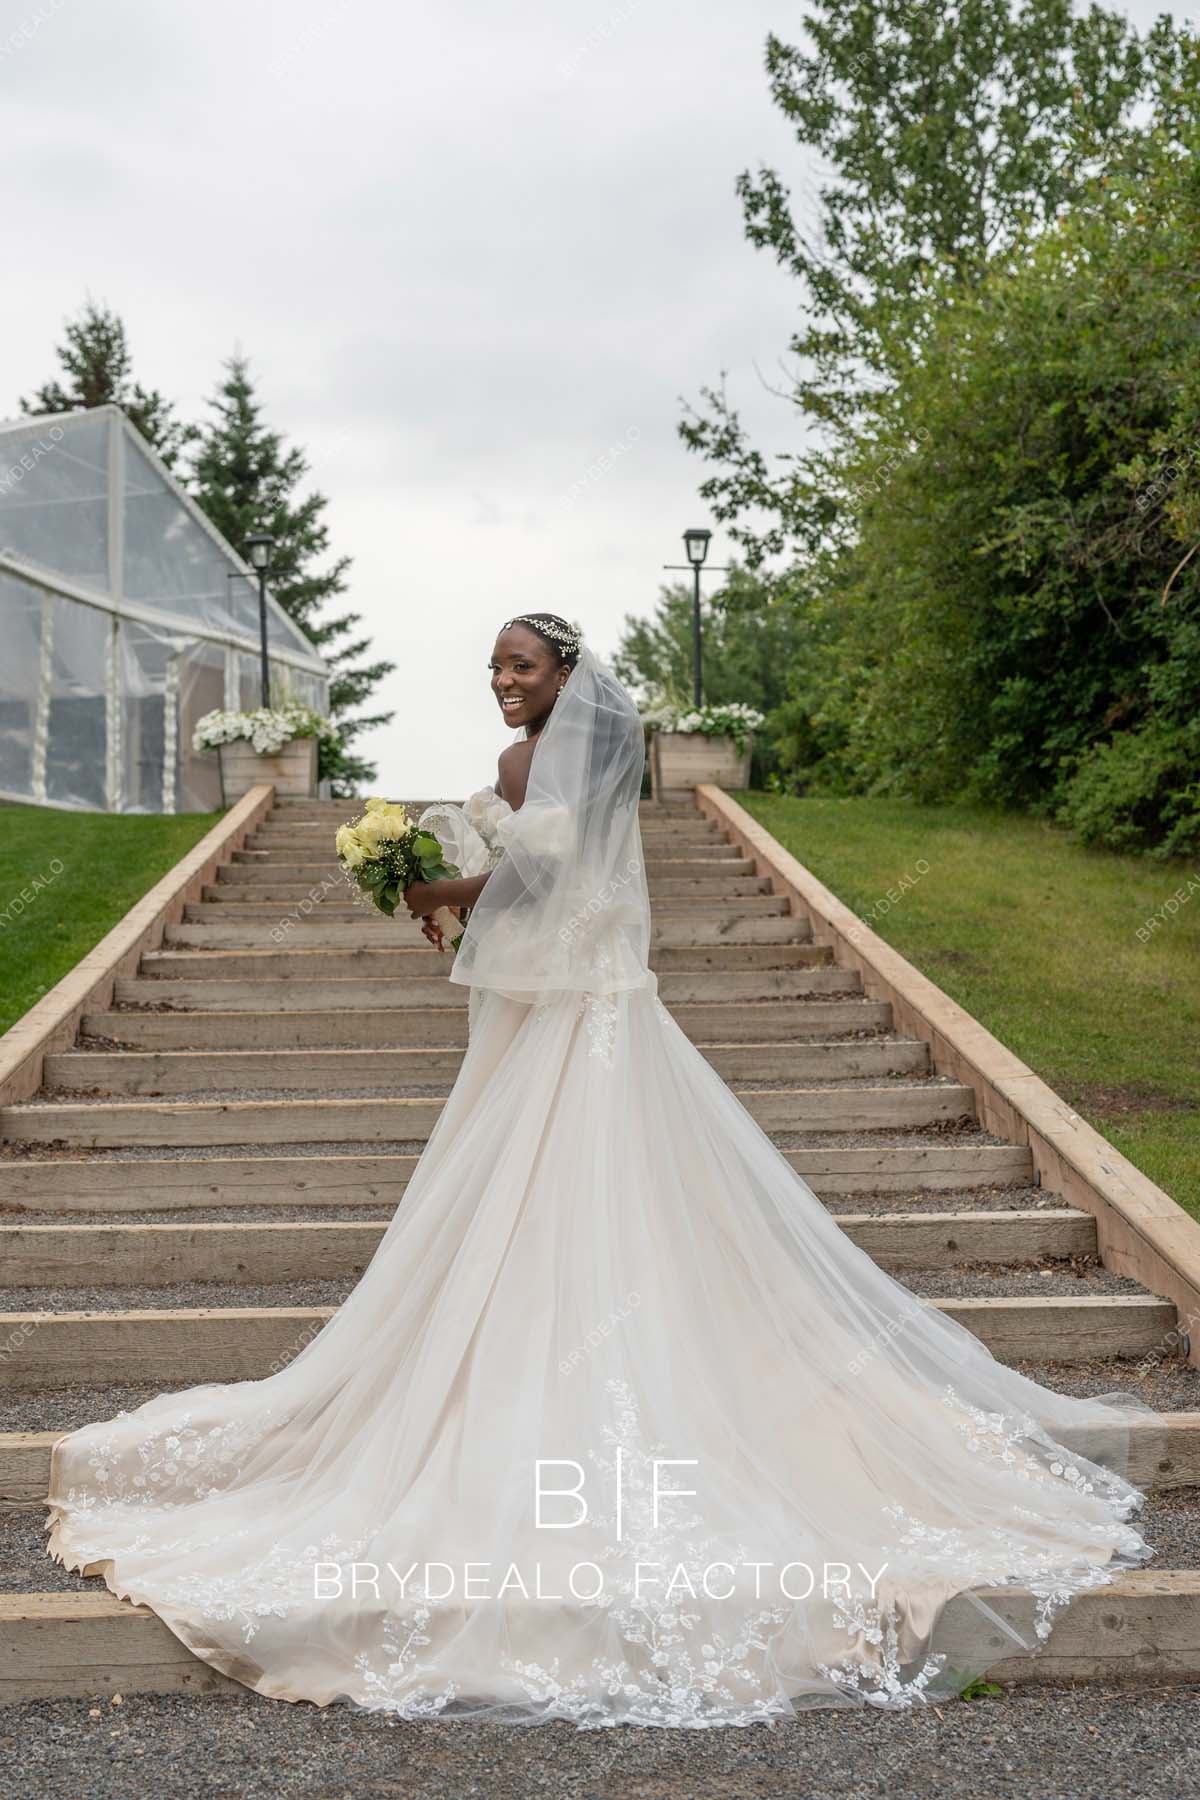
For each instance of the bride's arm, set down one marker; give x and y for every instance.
(425, 897)
(459, 890)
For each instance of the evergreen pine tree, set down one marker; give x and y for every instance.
(247, 479)
(98, 366)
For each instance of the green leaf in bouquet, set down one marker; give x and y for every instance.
(425, 845)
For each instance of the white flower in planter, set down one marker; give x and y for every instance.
(267, 729)
(735, 720)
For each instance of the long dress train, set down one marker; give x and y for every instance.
(618, 1427)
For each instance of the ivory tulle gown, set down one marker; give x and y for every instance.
(601, 1264)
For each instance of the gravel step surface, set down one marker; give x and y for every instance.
(880, 1205)
(110, 1046)
(1029, 1743)
(67, 1408)
(1165, 1382)
(874, 1205)
(1057, 1280)
(369, 1213)
(1076, 1280)
(952, 1134)
(73, 1153)
(178, 1294)
(438, 1087)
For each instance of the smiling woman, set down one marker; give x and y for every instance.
(531, 660)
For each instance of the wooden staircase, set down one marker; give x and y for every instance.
(207, 1172)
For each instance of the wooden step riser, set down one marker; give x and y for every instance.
(307, 995)
(182, 1123)
(312, 933)
(1141, 1627)
(51, 1350)
(122, 1072)
(764, 1022)
(153, 1255)
(114, 1186)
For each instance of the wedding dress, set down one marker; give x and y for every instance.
(618, 1426)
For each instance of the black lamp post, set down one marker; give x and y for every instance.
(695, 542)
(259, 545)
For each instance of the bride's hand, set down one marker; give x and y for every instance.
(433, 931)
(423, 898)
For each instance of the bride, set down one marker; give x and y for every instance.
(618, 1426)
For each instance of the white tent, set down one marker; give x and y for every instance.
(119, 623)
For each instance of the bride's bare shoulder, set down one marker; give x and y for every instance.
(513, 772)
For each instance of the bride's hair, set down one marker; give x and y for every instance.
(564, 639)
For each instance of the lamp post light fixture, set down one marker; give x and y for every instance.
(696, 542)
(259, 545)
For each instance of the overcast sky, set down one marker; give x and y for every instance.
(470, 249)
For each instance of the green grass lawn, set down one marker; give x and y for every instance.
(66, 878)
(1038, 939)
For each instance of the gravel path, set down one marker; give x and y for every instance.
(1033, 1743)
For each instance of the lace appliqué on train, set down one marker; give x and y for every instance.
(944, 1554)
(599, 1012)
(177, 1463)
(679, 1670)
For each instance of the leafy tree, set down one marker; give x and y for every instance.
(98, 366)
(950, 132)
(247, 479)
(1018, 612)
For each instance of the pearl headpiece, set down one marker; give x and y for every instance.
(567, 637)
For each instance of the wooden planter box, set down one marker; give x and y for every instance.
(293, 769)
(681, 760)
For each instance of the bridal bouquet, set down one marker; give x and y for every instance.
(384, 852)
